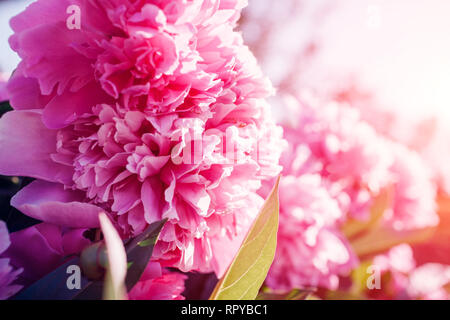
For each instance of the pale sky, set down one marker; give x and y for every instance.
(400, 48)
(8, 59)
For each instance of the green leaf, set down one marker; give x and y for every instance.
(139, 251)
(249, 268)
(295, 294)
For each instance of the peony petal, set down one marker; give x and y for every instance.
(225, 247)
(73, 241)
(49, 202)
(196, 196)
(64, 109)
(26, 146)
(151, 195)
(24, 92)
(41, 248)
(31, 250)
(4, 237)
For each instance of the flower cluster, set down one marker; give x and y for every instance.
(136, 113)
(130, 115)
(410, 281)
(330, 139)
(311, 252)
(334, 168)
(414, 200)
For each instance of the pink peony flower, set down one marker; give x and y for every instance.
(430, 282)
(426, 135)
(42, 248)
(398, 259)
(8, 273)
(357, 163)
(162, 56)
(158, 283)
(408, 281)
(334, 167)
(310, 252)
(152, 110)
(414, 193)
(331, 140)
(393, 267)
(431, 142)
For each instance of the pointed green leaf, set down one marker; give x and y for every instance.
(295, 294)
(139, 251)
(249, 268)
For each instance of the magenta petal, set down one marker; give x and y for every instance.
(152, 270)
(4, 237)
(157, 283)
(197, 197)
(55, 63)
(151, 193)
(31, 250)
(41, 248)
(63, 109)
(52, 234)
(47, 61)
(73, 241)
(49, 202)
(26, 146)
(24, 92)
(40, 13)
